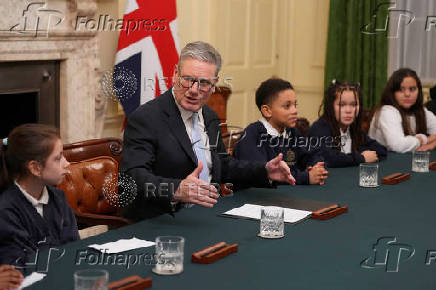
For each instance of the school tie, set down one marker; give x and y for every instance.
(199, 148)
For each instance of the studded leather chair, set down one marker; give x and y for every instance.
(91, 186)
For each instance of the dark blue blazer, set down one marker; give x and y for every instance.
(23, 231)
(257, 144)
(335, 158)
(158, 155)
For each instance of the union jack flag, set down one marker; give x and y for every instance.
(148, 50)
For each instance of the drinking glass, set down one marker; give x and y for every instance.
(169, 255)
(420, 161)
(272, 222)
(90, 279)
(368, 176)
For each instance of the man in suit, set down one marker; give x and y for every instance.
(172, 144)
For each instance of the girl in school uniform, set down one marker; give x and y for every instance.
(338, 131)
(401, 122)
(34, 215)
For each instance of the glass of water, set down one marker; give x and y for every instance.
(90, 279)
(420, 161)
(271, 222)
(169, 255)
(368, 176)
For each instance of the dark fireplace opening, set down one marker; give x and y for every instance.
(25, 105)
(29, 93)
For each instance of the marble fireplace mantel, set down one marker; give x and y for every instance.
(81, 101)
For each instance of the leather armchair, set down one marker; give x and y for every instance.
(92, 163)
(218, 102)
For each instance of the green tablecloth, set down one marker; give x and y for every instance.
(312, 255)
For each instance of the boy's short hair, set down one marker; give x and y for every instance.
(269, 89)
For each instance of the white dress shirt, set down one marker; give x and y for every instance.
(187, 120)
(37, 203)
(271, 130)
(346, 141)
(388, 131)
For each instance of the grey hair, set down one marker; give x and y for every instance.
(202, 51)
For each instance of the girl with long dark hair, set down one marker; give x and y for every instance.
(338, 130)
(401, 122)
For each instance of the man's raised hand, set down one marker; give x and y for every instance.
(194, 190)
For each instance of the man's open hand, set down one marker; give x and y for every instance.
(278, 170)
(194, 190)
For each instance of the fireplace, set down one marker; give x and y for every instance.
(52, 76)
(29, 93)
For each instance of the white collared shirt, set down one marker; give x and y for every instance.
(346, 141)
(36, 203)
(187, 120)
(387, 129)
(271, 130)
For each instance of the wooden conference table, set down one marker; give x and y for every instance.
(313, 254)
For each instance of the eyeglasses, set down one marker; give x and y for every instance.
(204, 85)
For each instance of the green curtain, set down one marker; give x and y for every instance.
(357, 46)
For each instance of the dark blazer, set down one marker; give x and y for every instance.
(335, 158)
(23, 231)
(158, 155)
(256, 144)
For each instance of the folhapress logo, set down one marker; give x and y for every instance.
(36, 18)
(388, 254)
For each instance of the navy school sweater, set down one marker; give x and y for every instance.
(334, 157)
(257, 145)
(23, 232)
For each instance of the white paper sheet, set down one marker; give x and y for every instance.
(32, 278)
(122, 245)
(253, 211)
